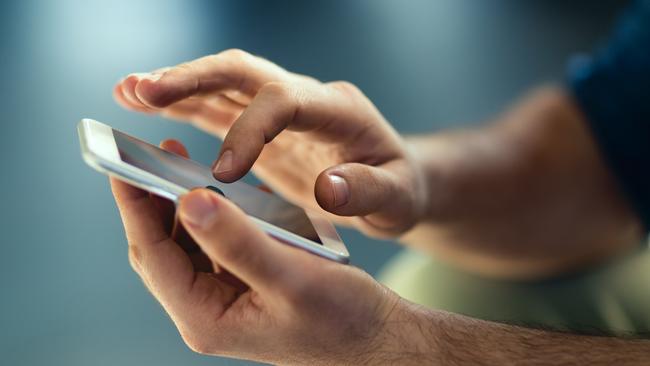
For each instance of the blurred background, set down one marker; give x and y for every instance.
(69, 296)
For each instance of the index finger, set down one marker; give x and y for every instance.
(331, 112)
(228, 70)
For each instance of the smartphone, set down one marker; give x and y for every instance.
(168, 175)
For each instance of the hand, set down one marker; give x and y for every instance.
(317, 144)
(294, 307)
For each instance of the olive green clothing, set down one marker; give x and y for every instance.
(613, 298)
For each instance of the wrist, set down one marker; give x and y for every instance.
(408, 337)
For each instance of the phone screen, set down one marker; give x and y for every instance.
(189, 174)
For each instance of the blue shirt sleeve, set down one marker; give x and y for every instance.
(612, 88)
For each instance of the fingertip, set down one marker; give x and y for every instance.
(352, 189)
(264, 188)
(153, 93)
(194, 193)
(225, 177)
(229, 176)
(123, 94)
(198, 208)
(117, 92)
(225, 169)
(174, 146)
(324, 192)
(128, 89)
(231, 239)
(118, 95)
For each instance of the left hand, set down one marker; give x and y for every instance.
(295, 308)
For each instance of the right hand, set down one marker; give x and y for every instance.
(317, 144)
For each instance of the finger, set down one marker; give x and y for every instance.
(166, 207)
(265, 188)
(174, 146)
(118, 95)
(295, 106)
(382, 194)
(233, 241)
(191, 299)
(161, 70)
(200, 262)
(128, 89)
(214, 115)
(161, 263)
(231, 70)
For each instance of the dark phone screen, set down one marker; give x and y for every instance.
(189, 174)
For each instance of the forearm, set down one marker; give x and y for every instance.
(479, 179)
(521, 196)
(415, 335)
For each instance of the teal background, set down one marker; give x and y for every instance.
(68, 294)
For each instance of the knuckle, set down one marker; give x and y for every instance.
(278, 89)
(234, 54)
(237, 252)
(346, 87)
(182, 68)
(197, 344)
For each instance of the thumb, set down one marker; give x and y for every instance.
(383, 195)
(232, 240)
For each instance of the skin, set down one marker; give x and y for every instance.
(328, 129)
(279, 316)
(524, 196)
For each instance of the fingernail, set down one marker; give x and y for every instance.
(199, 209)
(224, 164)
(340, 189)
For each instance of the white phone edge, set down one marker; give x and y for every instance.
(91, 130)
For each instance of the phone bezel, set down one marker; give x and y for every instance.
(99, 150)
